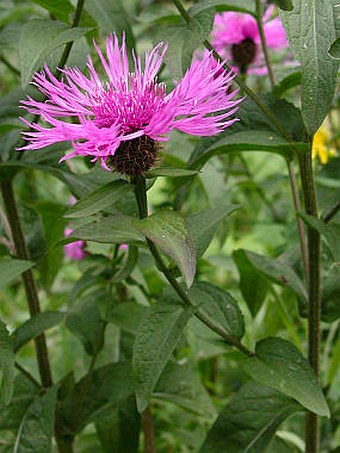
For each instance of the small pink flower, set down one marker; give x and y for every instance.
(74, 250)
(131, 111)
(236, 37)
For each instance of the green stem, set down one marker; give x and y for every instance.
(314, 298)
(28, 279)
(299, 221)
(248, 91)
(263, 42)
(140, 193)
(27, 374)
(333, 212)
(68, 46)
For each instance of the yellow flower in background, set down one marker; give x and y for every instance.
(321, 149)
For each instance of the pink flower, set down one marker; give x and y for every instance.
(74, 250)
(131, 111)
(236, 37)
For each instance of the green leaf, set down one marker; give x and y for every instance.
(24, 393)
(274, 271)
(97, 396)
(118, 229)
(170, 172)
(249, 421)
(286, 5)
(253, 285)
(100, 199)
(331, 233)
(35, 326)
(330, 294)
(218, 306)
(120, 431)
(168, 230)
(36, 429)
(38, 39)
(7, 359)
(60, 9)
(157, 337)
(280, 365)
(85, 320)
(291, 81)
(10, 269)
(241, 6)
(311, 31)
(128, 265)
(203, 225)
(180, 384)
(54, 224)
(334, 50)
(127, 316)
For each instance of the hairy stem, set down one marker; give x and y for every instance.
(263, 42)
(314, 299)
(28, 279)
(299, 221)
(140, 193)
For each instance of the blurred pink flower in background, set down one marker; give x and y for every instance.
(74, 250)
(120, 121)
(236, 37)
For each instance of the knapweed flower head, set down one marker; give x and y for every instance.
(321, 147)
(236, 37)
(122, 120)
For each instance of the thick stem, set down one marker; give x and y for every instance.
(263, 42)
(314, 298)
(149, 436)
(299, 221)
(140, 193)
(28, 279)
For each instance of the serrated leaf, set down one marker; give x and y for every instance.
(35, 326)
(168, 230)
(38, 39)
(156, 338)
(218, 306)
(203, 225)
(118, 229)
(249, 421)
(100, 199)
(36, 429)
(7, 359)
(274, 271)
(280, 365)
(310, 30)
(11, 269)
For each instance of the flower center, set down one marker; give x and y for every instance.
(244, 54)
(134, 157)
(131, 103)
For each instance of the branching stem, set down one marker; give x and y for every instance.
(140, 193)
